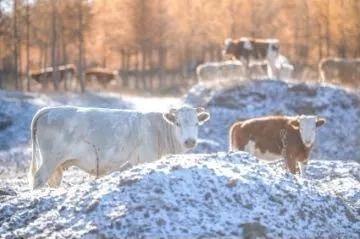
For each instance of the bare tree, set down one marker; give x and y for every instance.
(16, 43)
(28, 44)
(81, 46)
(54, 44)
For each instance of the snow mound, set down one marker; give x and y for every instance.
(190, 196)
(339, 138)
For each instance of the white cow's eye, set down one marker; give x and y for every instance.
(177, 124)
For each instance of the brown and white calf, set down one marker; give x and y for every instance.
(275, 137)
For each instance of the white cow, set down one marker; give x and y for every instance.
(100, 141)
(343, 70)
(212, 71)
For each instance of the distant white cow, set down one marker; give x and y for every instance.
(100, 141)
(283, 69)
(345, 71)
(211, 71)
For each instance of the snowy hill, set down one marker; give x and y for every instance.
(338, 139)
(193, 196)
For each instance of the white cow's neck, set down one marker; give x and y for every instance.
(173, 146)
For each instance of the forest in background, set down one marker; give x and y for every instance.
(38, 33)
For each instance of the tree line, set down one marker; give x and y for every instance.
(41, 33)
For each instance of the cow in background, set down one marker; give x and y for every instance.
(345, 71)
(252, 49)
(43, 76)
(102, 75)
(219, 71)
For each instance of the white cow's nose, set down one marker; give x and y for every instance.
(308, 143)
(190, 143)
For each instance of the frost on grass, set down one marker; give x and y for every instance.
(338, 139)
(190, 196)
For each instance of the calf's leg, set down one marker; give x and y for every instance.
(302, 167)
(291, 164)
(55, 179)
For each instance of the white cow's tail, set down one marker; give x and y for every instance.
(34, 161)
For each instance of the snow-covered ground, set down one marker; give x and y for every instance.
(194, 195)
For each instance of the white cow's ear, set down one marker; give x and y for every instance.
(295, 124)
(320, 122)
(169, 117)
(203, 117)
(200, 109)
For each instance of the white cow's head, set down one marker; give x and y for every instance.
(307, 125)
(186, 121)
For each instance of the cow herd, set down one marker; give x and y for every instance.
(68, 72)
(100, 141)
(254, 58)
(251, 58)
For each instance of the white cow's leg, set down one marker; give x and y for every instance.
(272, 71)
(303, 166)
(42, 175)
(55, 179)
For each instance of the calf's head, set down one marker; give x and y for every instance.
(307, 124)
(186, 121)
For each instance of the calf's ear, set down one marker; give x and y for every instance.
(295, 124)
(170, 116)
(320, 122)
(203, 117)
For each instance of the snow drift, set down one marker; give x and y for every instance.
(193, 196)
(339, 138)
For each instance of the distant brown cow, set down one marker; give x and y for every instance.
(101, 75)
(276, 137)
(43, 75)
(345, 71)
